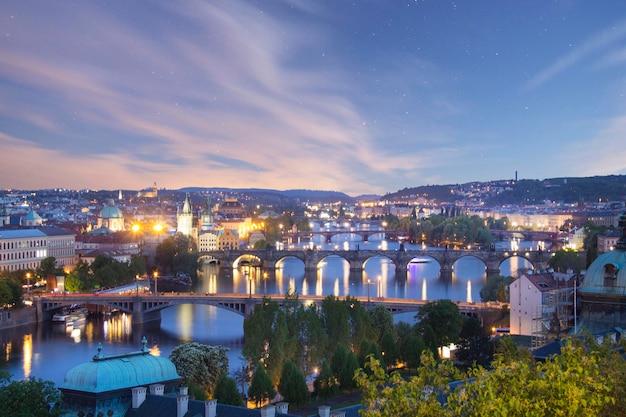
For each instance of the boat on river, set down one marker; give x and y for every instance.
(71, 317)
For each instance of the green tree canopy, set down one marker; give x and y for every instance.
(200, 364)
(266, 334)
(30, 398)
(226, 392)
(325, 383)
(261, 387)
(292, 385)
(443, 318)
(493, 285)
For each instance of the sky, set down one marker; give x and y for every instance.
(362, 97)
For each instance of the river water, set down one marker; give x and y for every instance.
(48, 352)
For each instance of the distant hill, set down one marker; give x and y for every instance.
(563, 190)
(269, 196)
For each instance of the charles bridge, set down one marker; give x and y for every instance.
(312, 258)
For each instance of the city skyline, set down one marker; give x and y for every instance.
(362, 98)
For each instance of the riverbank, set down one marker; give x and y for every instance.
(14, 317)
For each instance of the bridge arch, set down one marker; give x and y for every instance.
(208, 259)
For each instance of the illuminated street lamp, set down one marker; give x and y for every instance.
(379, 289)
(368, 289)
(28, 283)
(137, 285)
(264, 283)
(156, 275)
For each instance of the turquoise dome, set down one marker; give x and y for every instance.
(606, 275)
(111, 212)
(116, 372)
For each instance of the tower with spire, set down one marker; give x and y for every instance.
(206, 217)
(184, 218)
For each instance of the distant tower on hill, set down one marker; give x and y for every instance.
(515, 175)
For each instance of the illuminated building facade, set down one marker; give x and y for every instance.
(25, 248)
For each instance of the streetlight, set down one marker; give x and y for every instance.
(137, 285)
(156, 275)
(28, 283)
(379, 291)
(264, 283)
(369, 281)
(250, 283)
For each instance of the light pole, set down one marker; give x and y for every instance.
(368, 289)
(28, 283)
(250, 284)
(156, 275)
(379, 291)
(264, 283)
(137, 285)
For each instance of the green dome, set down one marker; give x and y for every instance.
(606, 275)
(116, 372)
(111, 211)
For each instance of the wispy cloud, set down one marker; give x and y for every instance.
(591, 48)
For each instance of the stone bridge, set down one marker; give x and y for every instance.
(311, 258)
(146, 308)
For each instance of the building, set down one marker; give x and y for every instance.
(206, 217)
(231, 208)
(25, 248)
(227, 239)
(150, 192)
(602, 292)
(109, 382)
(111, 217)
(599, 218)
(207, 241)
(184, 217)
(32, 219)
(606, 241)
(541, 304)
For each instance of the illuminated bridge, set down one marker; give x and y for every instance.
(312, 259)
(147, 307)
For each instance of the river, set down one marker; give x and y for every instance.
(45, 351)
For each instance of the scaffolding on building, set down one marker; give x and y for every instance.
(555, 317)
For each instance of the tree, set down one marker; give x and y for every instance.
(567, 384)
(389, 349)
(413, 349)
(382, 321)
(226, 392)
(200, 364)
(261, 387)
(563, 260)
(474, 346)
(73, 283)
(30, 397)
(343, 364)
(266, 334)
(325, 383)
(48, 266)
(491, 290)
(336, 320)
(6, 295)
(292, 385)
(443, 318)
(393, 396)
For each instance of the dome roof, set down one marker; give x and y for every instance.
(32, 216)
(109, 373)
(607, 274)
(111, 211)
